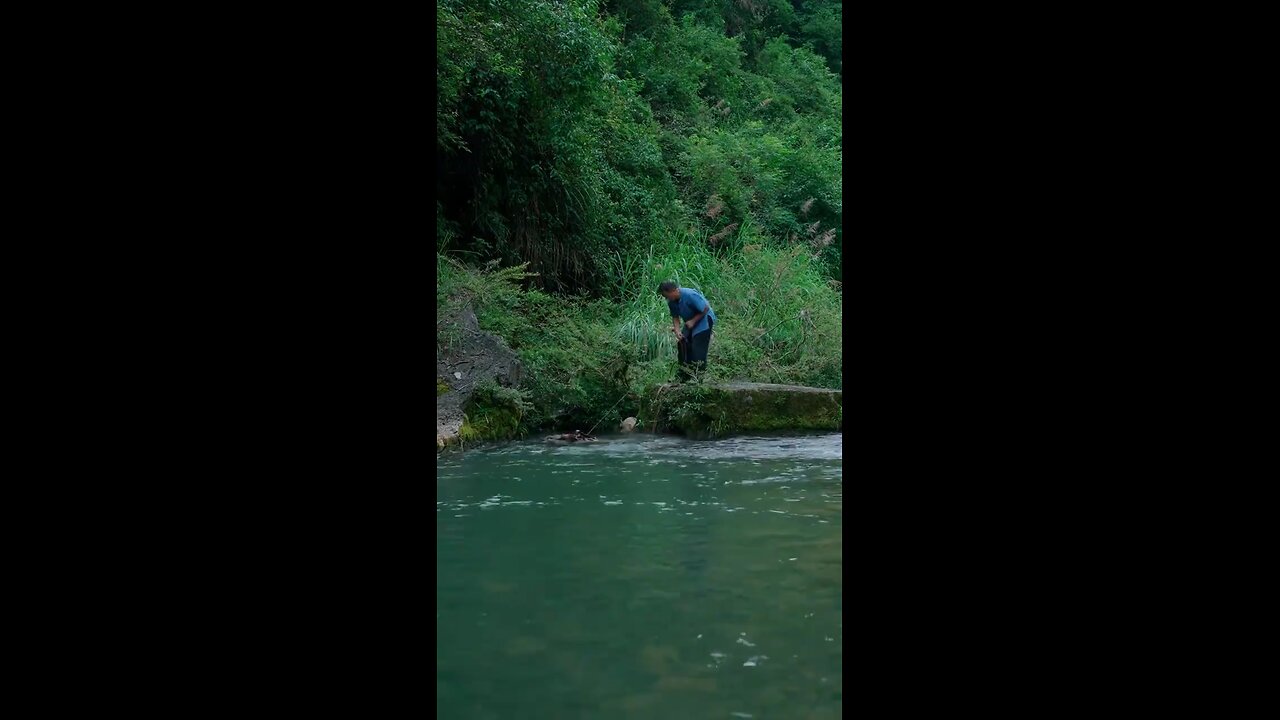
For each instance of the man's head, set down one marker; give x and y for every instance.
(669, 290)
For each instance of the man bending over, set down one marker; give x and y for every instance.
(692, 319)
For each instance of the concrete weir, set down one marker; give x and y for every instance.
(717, 410)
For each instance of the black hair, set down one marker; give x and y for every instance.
(667, 287)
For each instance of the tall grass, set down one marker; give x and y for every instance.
(779, 320)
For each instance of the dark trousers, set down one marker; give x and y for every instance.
(692, 351)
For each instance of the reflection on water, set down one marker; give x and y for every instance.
(640, 576)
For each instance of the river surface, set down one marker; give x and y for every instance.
(640, 577)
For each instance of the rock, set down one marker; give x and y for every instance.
(717, 410)
(629, 424)
(448, 431)
(480, 357)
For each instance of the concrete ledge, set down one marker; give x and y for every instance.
(707, 411)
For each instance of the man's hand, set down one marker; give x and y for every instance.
(690, 323)
(679, 335)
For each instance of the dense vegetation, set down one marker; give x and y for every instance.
(591, 150)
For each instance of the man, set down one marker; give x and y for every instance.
(692, 319)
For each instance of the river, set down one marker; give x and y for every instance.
(640, 577)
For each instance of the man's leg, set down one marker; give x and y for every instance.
(698, 351)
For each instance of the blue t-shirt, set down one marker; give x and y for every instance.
(691, 303)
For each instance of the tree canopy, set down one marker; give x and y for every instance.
(570, 132)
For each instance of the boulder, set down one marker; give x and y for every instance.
(474, 358)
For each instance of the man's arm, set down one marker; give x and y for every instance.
(675, 323)
(706, 307)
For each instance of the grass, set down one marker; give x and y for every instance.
(589, 360)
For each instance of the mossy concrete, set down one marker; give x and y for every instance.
(717, 410)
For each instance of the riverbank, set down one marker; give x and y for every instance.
(586, 152)
(696, 411)
(581, 362)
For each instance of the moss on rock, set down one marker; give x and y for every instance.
(493, 413)
(468, 432)
(706, 411)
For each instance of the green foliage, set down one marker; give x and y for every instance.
(575, 366)
(590, 360)
(544, 154)
(820, 26)
(494, 413)
(568, 132)
(593, 149)
(779, 319)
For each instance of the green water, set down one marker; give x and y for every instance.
(640, 577)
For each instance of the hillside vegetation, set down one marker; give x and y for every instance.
(586, 151)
